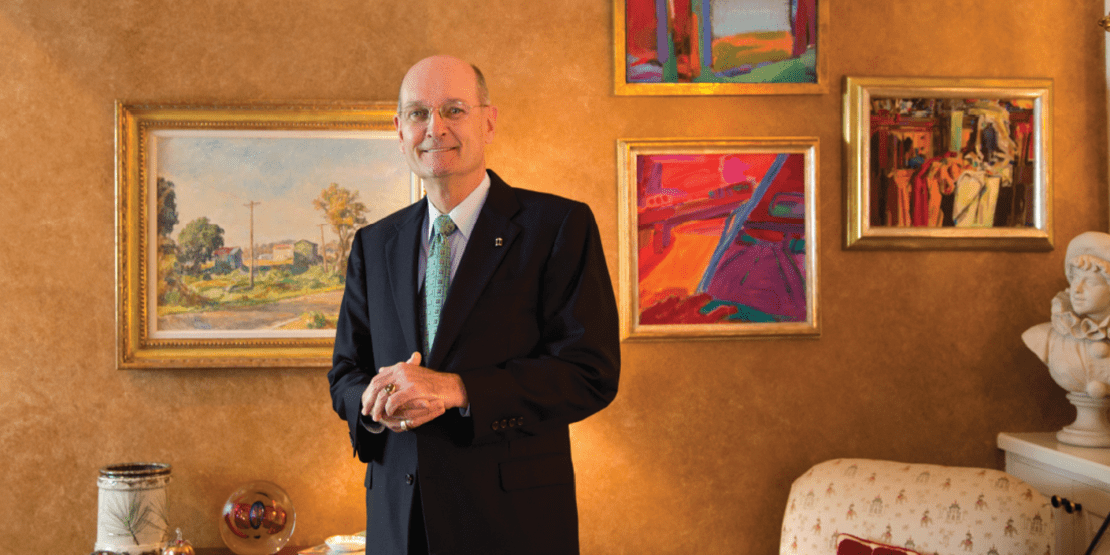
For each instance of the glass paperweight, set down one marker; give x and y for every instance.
(257, 519)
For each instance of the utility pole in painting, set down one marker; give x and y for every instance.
(251, 205)
(323, 248)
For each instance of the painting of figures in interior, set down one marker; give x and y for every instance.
(941, 163)
(718, 46)
(719, 238)
(952, 162)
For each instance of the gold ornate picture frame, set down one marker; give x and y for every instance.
(233, 223)
(937, 163)
(720, 47)
(718, 238)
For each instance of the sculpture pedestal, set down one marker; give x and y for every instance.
(1091, 427)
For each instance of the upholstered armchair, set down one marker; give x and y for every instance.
(893, 507)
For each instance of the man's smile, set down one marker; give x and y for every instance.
(438, 149)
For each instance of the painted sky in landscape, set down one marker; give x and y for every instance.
(216, 174)
(733, 17)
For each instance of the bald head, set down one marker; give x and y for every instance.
(445, 68)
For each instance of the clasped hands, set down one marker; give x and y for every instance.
(406, 395)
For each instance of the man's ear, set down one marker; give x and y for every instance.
(490, 123)
(400, 133)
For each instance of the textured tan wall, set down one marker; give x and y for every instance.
(920, 359)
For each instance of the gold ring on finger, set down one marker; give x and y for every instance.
(404, 425)
(389, 389)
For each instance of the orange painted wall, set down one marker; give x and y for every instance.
(920, 359)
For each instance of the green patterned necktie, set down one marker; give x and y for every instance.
(437, 277)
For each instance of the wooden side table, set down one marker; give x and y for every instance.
(1079, 477)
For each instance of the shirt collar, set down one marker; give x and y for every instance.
(465, 214)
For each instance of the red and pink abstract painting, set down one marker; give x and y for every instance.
(722, 237)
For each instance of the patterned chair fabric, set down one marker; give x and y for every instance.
(929, 509)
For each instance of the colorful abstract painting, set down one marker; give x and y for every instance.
(722, 238)
(718, 42)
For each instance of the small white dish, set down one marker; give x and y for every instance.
(346, 543)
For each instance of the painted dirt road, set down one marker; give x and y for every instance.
(261, 317)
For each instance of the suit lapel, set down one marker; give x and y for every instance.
(402, 251)
(493, 235)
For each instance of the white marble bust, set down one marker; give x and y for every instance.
(1074, 344)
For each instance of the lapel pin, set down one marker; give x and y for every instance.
(498, 242)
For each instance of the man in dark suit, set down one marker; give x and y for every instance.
(464, 424)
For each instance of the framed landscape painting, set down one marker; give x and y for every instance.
(234, 224)
(719, 47)
(718, 238)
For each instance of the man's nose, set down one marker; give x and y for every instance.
(436, 124)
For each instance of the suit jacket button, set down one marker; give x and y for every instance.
(495, 426)
(504, 423)
(409, 479)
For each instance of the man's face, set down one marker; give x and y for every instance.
(436, 146)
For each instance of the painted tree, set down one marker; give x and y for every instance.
(167, 207)
(167, 219)
(196, 243)
(166, 215)
(345, 213)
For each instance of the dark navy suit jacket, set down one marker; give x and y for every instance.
(530, 325)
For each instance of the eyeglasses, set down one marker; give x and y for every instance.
(455, 110)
